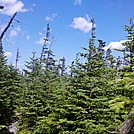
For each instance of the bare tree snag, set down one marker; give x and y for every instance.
(8, 25)
(17, 58)
(46, 39)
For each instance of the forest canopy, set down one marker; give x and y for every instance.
(95, 97)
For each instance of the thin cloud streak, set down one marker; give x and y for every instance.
(51, 17)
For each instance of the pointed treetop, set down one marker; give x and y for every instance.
(1, 7)
(93, 23)
(48, 28)
(92, 20)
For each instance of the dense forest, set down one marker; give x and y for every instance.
(94, 95)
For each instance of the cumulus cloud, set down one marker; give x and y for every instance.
(51, 17)
(77, 2)
(8, 54)
(82, 24)
(12, 6)
(14, 32)
(115, 45)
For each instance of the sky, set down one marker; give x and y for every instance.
(70, 23)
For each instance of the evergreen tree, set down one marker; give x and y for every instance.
(123, 101)
(38, 102)
(129, 45)
(3, 72)
(47, 56)
(61, 66)
(30, 97)
(2, 56)
(89, 92)
(9, 88)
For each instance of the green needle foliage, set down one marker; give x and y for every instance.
(10, 84)
(95, 98)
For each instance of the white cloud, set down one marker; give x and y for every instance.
(40, 33)
(8, 54)
(82, 24)
(14, 32)
(20, 65)
(12, 6)
(77, 2)
(40, 41)
(51, 17)
(115, 45)
(28, 37)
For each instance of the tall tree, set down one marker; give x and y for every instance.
(129, 44)
(9, 89)
(47, 56)
(123, 102)
(89, 93)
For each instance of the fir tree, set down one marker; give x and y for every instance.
(122, 103)
(129, 45)
(10, 85)
(89, 94)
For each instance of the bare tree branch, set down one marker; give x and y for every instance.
(8, 25)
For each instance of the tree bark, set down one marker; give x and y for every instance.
(128, 124)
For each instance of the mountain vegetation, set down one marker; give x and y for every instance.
(95, 97)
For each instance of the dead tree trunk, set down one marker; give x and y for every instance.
(17, 58)
(128, 124)
(8, 25)
(46, 39)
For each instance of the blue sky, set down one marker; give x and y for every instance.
(70, 22)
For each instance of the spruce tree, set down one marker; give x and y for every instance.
(40, 102)
(87, 108)
(9, 92)
(122, 102)
(3, 107)
(30, 96)
(129, 44)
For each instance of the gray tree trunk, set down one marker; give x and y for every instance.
(128, 124)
